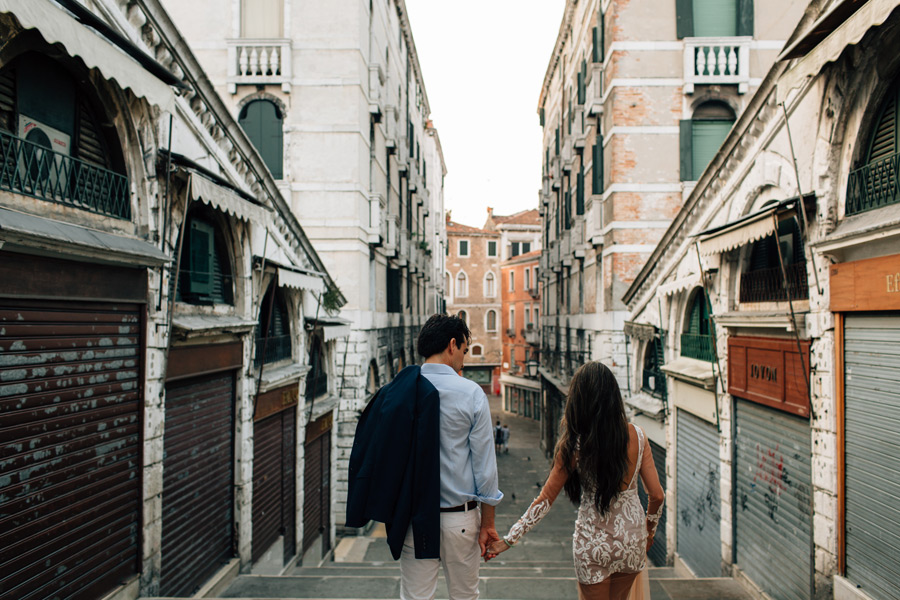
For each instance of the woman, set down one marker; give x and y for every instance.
(598, 459)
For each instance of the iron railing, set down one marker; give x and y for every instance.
(276, 347)
(701, 347)
(35, 170)
(316, 383)
(874, 185)
(654, 382)
(767, 285)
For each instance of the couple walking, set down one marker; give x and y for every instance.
(422, 464)
(501, 437)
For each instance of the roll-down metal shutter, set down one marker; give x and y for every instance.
(70, 405)
(872, 453)
(317, 493)
(773, 500)
(657, 552)
(698, 500)
(273, 482)
(198, 475)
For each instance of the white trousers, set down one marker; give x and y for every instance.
(460, 558)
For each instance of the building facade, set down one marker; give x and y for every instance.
(636, 99)
(765, 325)
(521, 313)
(472, 278)
(168, 330)
(333, 97)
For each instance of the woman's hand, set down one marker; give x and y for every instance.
(649, 541)
(494, 549)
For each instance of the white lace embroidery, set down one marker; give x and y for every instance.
(532, 517)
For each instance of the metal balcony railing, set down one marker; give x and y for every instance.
(316, 384)
(701, 347)
(276, 347)
(767, 285)
(654, 382)
(34, 170)
(717, 61)
(259, 62)
(874, 185)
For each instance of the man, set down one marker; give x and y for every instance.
(468, 469)
(498, 436)
(504, 435)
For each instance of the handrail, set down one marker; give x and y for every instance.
(874, 185)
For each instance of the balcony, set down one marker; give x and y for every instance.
(531, 335)
(376, 83)
(259, 62)
(511, 333)
(33, 170)
(376, 230)
(593, 104)
(654, 382)
(275, 348)
(701, 347)
(767, 285)
(579, 131)
(875, 185)
(717, 61)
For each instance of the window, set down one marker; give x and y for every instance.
(262, 18)
(527, 317)
(373, 382)
(697, 340)
(534, 313)
(512, 320)
(526, 247)
(394, 284)
(463, 248)
(464, 316)
(527, 278)
(514, 249)
(714, 18)
(491, 320)
(512, 281)
(462, 285)
(492, 248)
(447, 283)
(205, 274)
(763, 281)
(873, 185)
(317, 377)
(263, 123)
(653, 380)
(477, 350)
(489, 285)
(597, 166)
(273, 342)
(701, 137)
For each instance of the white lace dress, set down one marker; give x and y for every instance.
(602, 544)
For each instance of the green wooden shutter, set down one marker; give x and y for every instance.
(597, 167)
(706, 138)
(745, 17)
(579, 192)
(557, 141)
(595, 44)
(715, 18)
(262, 121)
(201, 257)
(884, 138)
(684, 18)
(542, 116)
(684, 149)
(568, 215)
(602, 36)
(580, 87)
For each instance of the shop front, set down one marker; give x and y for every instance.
(317, 485)
(772, 504)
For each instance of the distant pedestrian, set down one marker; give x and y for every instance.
(504, 437)
(498, 436)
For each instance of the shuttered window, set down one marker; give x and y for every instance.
(876, 182)
(317, 377)
(205, 272)
(597, 167)
(713, 18)
(579, 191)
(884, 138)
(263, 123)
(697, 340)
(706, 138)
(273, 337)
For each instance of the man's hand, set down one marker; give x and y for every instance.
(486, 537)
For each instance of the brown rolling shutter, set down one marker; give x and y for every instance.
(317, 484)
(70, 405)
(267, 480)
(289, 481)
(198, 475)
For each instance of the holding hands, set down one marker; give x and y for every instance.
(495, 548)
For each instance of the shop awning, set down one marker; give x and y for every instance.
(226, 200)
(641, 331)
(679, 285)
(301, 281)
(745, 230)
(332, 327)
(844, 25)
(57, 26)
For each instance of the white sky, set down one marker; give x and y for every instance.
(483, 62)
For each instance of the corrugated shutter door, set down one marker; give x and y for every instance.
(312, 494)
(872, 448)
(657, 552)
(198, 475)
(70, 403)
(289, 481)
(773, 516)
(267, 470)
(697, 495)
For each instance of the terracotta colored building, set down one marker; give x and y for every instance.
(472, 281)
(521, 312)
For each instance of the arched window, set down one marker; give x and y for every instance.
(491, 320)
(701, 137)
(490, 287)
(373, 382)
(697, 339)
(317, 377)
(762, 280)
(264, 125)
(205, 273)
(462, 285)
(653, 380)
(873, 184)
(273, 343)
(464, 316)
(447, 289)
(477, 350)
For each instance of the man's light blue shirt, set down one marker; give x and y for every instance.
(468, 463)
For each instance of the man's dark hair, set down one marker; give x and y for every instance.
(437, 332)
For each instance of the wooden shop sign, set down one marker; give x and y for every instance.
(868, 284)
(277, 400)
(770, 371)
(319, 427)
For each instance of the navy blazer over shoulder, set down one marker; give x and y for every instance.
(394, 474)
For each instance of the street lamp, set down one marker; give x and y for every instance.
(532, 366)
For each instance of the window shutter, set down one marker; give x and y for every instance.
(602, 36)
(568, 215)
(597, 167)
(557, 141)
(595, 44)
(745, 17)
(90, 146)
(884, 138)
(542, 116)
(684, 19)
(684, 149)
(7, 100)
(579, 192)
(201, 258)
(580, 87)
(706, 139)
(262, 121)
(715, 18)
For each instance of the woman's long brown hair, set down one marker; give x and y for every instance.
(593, 442)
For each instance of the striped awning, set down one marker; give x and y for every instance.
(227, 201)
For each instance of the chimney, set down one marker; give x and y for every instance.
(490, 212)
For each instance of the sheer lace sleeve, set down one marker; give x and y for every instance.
(655, 494)
(541, 505)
